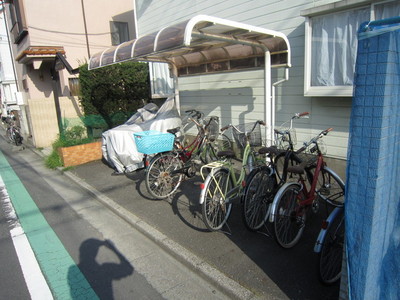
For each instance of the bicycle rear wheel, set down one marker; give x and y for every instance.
(257, 197)
(215, 208)
(331, 255)
(290, 217)
(17, 138)
(161, 181)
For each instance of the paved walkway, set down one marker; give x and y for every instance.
(244, 264)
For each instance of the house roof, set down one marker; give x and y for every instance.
(201, 39)
(35, 53)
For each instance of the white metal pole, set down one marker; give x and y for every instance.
(174, 74)
(269, 109)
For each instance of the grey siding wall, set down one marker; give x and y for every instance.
(239, 97)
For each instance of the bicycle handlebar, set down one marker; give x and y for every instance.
(194, 113)
(314, 139)
(301, 115)
(234, 127)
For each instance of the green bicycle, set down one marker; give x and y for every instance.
(222, 185)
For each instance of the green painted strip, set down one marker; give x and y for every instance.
(65, 279)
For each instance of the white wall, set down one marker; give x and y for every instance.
(239, 96)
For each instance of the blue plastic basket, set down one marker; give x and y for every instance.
(152, 141)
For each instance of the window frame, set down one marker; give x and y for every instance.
(17, 19)
(336, 7)
(113, 25)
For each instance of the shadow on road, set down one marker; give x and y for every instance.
(100, 275)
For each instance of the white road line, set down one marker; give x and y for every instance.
(34, 278)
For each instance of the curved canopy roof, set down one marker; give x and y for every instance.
(201, 39)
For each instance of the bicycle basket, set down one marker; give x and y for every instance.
(254, 137)
(310, 154)
(212, 125)
(152, 141)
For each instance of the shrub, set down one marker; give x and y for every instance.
(113, 93)
(70, 137)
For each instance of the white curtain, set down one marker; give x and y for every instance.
(162, 85)
(334, 47)
(334, 43)
(387, 10)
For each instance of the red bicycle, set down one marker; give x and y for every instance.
(167, 170)
(294, 199)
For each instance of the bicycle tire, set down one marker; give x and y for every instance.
(279, 162)
(330, 187)
(215, 209)
(257, 197)
(160, 183)
(17, 138)
(331, 254)
(289, 221)
(9, 135)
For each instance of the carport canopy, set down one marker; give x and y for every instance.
(206, 40)
(201, 39)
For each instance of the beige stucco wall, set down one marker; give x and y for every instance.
(61, 23)
(44, 120)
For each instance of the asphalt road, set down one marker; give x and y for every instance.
(254, 260)
(75, 233)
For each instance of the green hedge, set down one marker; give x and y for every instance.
(110, 95)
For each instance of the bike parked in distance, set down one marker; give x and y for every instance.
(12, 132)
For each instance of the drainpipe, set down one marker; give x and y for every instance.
(86, 33)
(268, 99)
(273, 96)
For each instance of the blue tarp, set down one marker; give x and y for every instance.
(373, 171)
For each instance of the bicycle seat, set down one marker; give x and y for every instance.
(226, 153)
(269, 150)
(174, 130)
(298, 169)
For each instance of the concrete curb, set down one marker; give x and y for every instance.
(229, 286)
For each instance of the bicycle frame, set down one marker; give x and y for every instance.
(236, 181)
(194, 146)
(306, 196)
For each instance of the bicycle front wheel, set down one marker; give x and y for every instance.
(257, 197)
(161, 178)
(331, 255)
(9, 135)
(290, 217)
(215, 207)
(330, 187)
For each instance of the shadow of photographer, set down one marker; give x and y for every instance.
(100, 276)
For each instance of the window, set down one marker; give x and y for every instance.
(119, 32)
(331, 44)
(18, 28)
